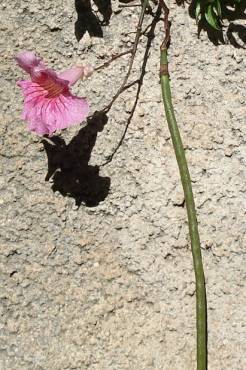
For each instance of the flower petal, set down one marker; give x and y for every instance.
(50, 82)
(72, 75)
(65, 111)
(48, 104)
(27, 60)
(46, 115)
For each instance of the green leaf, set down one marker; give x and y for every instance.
(198, 10)
(212, 18)
(218, 8)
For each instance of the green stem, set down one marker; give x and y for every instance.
(201, 307)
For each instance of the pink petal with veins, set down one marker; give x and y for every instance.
(48, 103)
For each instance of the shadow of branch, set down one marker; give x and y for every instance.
(150, 36)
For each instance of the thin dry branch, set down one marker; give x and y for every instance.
(114, 57)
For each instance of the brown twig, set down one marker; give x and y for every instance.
(129, 6)
(114, 57)
(166, 41)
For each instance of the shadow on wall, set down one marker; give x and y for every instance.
(88, 21)
(69, 168)
(235, 34)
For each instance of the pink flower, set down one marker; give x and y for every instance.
(48, 103)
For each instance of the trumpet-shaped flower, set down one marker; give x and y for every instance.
(48, 103)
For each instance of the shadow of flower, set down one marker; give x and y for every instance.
(68, 165)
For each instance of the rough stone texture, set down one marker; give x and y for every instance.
(102, 279)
